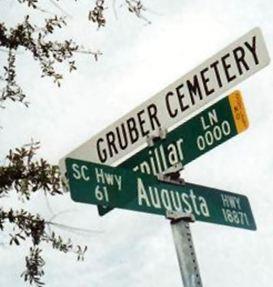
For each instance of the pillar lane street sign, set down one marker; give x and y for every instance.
(210, 128)
(169, 107)
(198, 135)
(117, 187)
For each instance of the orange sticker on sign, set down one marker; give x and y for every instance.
(238, 111)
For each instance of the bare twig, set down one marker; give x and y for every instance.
(61, 9)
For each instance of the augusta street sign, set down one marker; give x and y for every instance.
(117, 187)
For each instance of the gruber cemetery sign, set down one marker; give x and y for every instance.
(116, 187)
(173, 104)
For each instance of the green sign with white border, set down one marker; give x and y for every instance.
(117, 187)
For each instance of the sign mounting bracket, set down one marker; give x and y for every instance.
(172, 175)
(155, 136)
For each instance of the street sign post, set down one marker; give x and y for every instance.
(172, 105)
(189, 269)
(212, 127)
(116, 187)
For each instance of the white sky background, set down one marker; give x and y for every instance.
(129, 248)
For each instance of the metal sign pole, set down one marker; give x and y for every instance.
(185, 249)
(180, 224)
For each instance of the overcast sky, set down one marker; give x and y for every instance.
(129, 248)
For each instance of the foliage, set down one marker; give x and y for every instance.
(34, 265)
(48, 53)
(96, 15)
(22, 173)
(36, 41)
(26, 176)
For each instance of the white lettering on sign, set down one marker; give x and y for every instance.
(101, 193)
(160, 160)
(210, 121)
(171, 106)
(231, 201)
(235, 217)
(232, 210)
(80, 172)
(213, 136)
(159, 198)
(108, 178)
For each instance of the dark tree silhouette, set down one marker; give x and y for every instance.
(22, 172)
(26, 176)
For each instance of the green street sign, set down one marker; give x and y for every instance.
(117, 187)
(210, 128)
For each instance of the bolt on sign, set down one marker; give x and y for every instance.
(117, 187)
(210, 128)
(172, 105)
